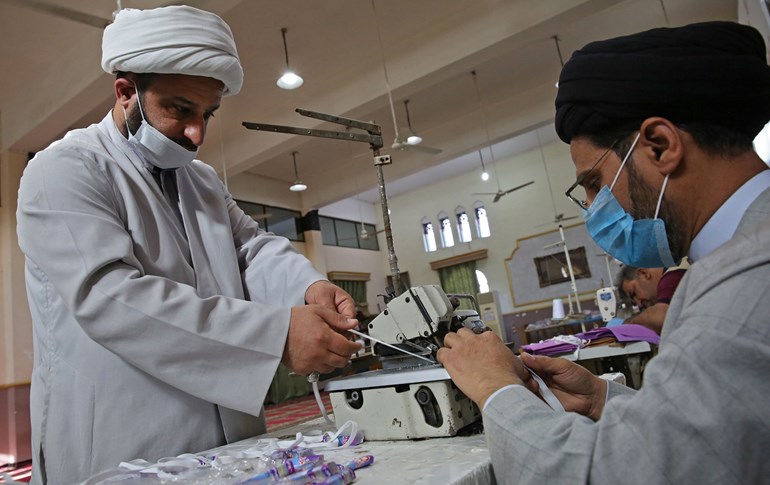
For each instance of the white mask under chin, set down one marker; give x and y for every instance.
(155, 147)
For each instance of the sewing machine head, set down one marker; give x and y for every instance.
(416, 322)
(412, 396)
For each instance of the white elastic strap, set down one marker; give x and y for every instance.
(288, 444)
(171, 466)
(317, 440)
(260, 449)
(168, 467)
(571, 339)
(351, 435)
(625, 159)
(660, 197)
(546, 393)
(320, 403)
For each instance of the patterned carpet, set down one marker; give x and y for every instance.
(293, 411)
(20, 472)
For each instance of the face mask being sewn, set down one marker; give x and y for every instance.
(642, 243)
(155, 147)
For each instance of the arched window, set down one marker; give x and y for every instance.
(483, 283)
(428, 235)
(482, 223)
(445, 224)
(463, 225)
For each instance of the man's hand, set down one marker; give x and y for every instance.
(314, 342)
(574, 386)
(480, 364)
(331, 296)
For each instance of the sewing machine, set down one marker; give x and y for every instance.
(607, 299)
(411, 396)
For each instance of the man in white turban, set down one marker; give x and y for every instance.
(160, 310)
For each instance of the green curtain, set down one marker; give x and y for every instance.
(286, 386)
(357, 289)
(460, 279)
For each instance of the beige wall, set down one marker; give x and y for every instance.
(15, 320)
(516, 215)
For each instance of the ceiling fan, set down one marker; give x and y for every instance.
(501, 193)
(83, 17)
(366, 235)
(363, 234)
(558, 219)
(66, 12)
(412, 140)
(399, 143)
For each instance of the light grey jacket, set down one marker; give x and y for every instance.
(146, 344)
(703, 413)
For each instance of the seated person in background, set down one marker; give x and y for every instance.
(651, 289)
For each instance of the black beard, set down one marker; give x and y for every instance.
(134, 118)
(644, 199)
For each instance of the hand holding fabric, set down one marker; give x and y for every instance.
(314, 342)
(574, 386)
(331, 296)
(480, 364)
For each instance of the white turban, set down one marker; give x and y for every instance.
(172, 40)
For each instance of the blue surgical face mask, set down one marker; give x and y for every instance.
(155, 147)
(642, 243)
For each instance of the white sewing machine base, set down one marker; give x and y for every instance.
(396, 404)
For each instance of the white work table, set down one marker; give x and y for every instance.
(635, 354)
(457, 460)
(611, 350)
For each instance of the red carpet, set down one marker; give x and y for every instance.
(293, 411)
(20, 472)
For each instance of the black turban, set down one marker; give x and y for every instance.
(711, 72)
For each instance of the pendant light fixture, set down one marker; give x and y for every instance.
(298, 185)
(484, 173)
(413, 138)
(290, 80)
(558, 52)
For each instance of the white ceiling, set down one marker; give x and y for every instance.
(52, 82)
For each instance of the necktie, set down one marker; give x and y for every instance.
(166, 178)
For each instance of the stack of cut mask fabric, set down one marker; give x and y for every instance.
(565, 344)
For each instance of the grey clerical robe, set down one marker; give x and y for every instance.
(702, 415)
(151, 338)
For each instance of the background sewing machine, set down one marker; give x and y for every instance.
(611, 306)
(411, 396)
(607, 298)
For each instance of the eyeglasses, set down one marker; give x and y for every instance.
(583, 204)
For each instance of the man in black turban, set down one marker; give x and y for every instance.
(712, 72)
(660, 126)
